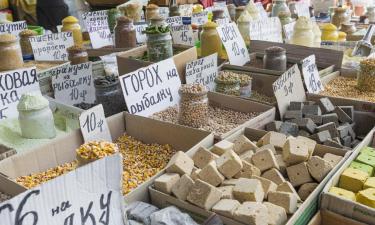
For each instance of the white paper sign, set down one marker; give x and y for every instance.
(90, 194)
(97, 26)
(287, 88)
(262, 12)
(203, 71)
(186, 10)
(74, 84)
(288, 31)
(311, 75)
(183, 35)
(234, 44)
(12, 85)
(140, 36)
(52, 47)
(13, 28)
(174, 20)
(199, 18)
(266, 29)
(221, 6)
(164, 12)
(302, 9)
(94, 126)
(151, 89)
(222, 22)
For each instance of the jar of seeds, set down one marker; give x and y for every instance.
(27, 50)
(245, 83)
(193, 108)
(366, 75)
(11, 54)
(108, 93)
(228, 83)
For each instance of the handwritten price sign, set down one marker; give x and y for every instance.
(311, 75)
(289, 87)
(94, 125)
(97, 26)
(183, 35)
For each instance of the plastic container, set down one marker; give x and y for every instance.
(193, 107)
(77, 55)
(11, 54)
(210, 40)
(285, 18)
(303, 33)
(125, 33)
(27, 50)
(152, 10)
(159, 46)
(329, 32)
(279, 6)
(348, 28)
(71, 23)
(229, 83)
(340, 16)
(275, 59)
(239, 11)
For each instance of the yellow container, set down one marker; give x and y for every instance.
(197, 8)
(329, 32)
(4, 4)
(210, 40)
(70, 23)
(342, 36)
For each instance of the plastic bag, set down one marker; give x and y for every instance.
(171, 216)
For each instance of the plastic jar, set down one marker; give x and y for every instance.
(285, 18)
(217, 14)
(340, 16)
(11, 54)
(329, 32)
(243, 24)
(366, 75)
(228, 83)
(35, 117)
(113, 14)
(275, 59)
(71, 23)
(303, 33)
(210, 40)
(159, 46)
(77, 55)
(348, 28)
(108, 93)
(342, 36)
(239, 11)
(245, 85)
(125, 33)
(317, 35)
(174, 10)
(279, 6)
(193, 107)
(152, 10)
(27, 49)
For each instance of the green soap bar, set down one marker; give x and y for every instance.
(360, 166)
(366, 159)
(368, 151)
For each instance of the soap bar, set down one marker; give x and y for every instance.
(366, 159)
(360, 166)
(368, 151)
(367, 197)
(342, 193)
(370, 183)
(352, 179)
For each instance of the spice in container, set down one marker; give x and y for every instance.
(159, 43)
(108, 93)
(35, 117)
(94, 150)
(152, 10)
(27, 50)
(275, 59)
(71, 23)
(125, 33)
(11, 54)
(193, 107)
(210, 40)
(77, 55)
(228, 82)
(366, 75)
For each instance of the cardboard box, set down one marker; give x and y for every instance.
(127, 63)
(305, 212)
(324, 217)
(105, 51)
(62, 150)
(342, 206)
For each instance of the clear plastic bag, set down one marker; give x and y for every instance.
(193, 109)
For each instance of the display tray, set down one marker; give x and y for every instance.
(324, 217)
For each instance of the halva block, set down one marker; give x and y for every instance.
(202, 157)
(221, 147)
(370, 183)
(332, 158)
(352, 179)
(306, 189)
(294, 152)
(318, 168)
(360, 166)
(309, 143)
(248, 170)
(276, 214)
(286, 186)
(342, 193)
(274, 175)
(267, 185)
(165, 182)
(227, 192)
(298, 174)
(367, 197)
(229, 164)
(242, 144)
(204, 195)
(276, 139)
(248, 190)
(211, 174)
(182, 187)
(252, 213)
(284, 199)
(226, 207)
(246, 156)
(282, 165)
(180, 163)
(265, 160)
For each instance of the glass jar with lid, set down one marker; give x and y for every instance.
(71, 23)
(152, 10)
(303, 33)
(27, 49)
(275, 59)
(228, 83)
(329, 32)
(35, 117)
(279, 6)
(210, 40)
(11, 54)
(159, 43)
(108, 93)
(77, 55)
(125, 33)
(340, 16)
(193, 107)
(243, 24)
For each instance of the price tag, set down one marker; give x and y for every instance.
(287, 88)
(94, 126)
(52, 47)
(151, 89)
(311, 75)
(98, 29)
(222, 22)
(13, 28)
(303, 9)
(199, 18)
(164, 12)
(174, 20)
(267, 29)
(234, 44)
(263, 13)
(186, 10)
(140, 36)
(203, 71)
(12, 85)
(288, 31)
(183, 35)
(73, 84)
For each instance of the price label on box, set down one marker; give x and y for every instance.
(182, 35)
(203, 71)
(94, 126)
(73, 84)
(52, 47)
(288, 88)
(311, 75)
(234, 44)
(97, 26)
